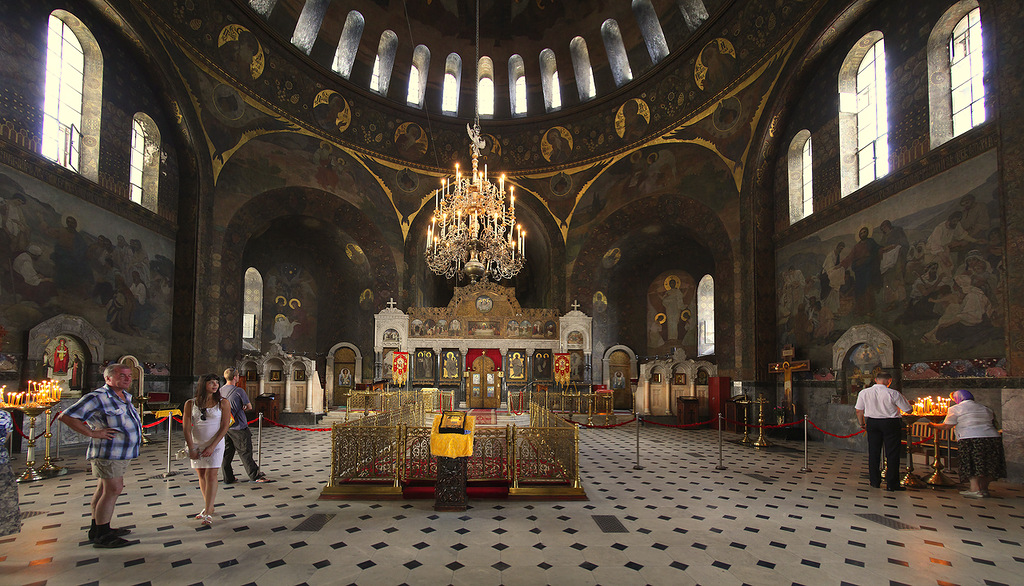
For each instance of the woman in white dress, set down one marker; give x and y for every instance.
(206, 420)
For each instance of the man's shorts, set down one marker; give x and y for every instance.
(109, 468)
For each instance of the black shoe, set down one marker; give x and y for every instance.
(119, 532)
(895, 488)
(112, 541)
(226, 481)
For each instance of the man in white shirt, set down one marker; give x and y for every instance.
(878, 412)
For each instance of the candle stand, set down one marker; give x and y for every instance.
(30, 474)
(49, 469)
(937, 477)
(762, 441)
(910, 480)
(745, 402)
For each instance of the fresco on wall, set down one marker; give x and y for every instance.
(291, 290)
(925, 264)
(63, 255)
(671, 309)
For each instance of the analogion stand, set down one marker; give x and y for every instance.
(452, 451)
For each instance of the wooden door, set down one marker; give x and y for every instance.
(484, 392)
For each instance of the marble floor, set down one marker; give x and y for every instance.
(677, 520)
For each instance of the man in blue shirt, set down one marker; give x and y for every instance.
(107, 416)
(239, 438)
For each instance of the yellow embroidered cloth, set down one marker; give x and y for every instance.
(452, 445)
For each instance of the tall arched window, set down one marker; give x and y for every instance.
(144, 168)
(863, 115)
(380, 79)
(517, 85)
(485, 88)
(581, 68)
(549, 81)
(650, 28)
(694, 13)
(252, 309)
(348, 44)
(800, 188)
(73, 96)
(452, 82)
(616, 51)
(418, 75)
(956, 88)
(706, 316)
(308, 26)
(263, 7)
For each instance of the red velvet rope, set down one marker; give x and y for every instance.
(798, 422)
(155, 423)
(682, 425)
(832, 434)
(272, 422)
(602, 426)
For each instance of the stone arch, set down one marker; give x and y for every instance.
(864, 334)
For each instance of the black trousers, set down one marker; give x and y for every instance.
(883, 433)
(239, 440)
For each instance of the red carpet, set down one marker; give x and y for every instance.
(484, 416)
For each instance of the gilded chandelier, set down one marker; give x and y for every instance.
(473, 230)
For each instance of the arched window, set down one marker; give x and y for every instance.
(616, 52)
(581, 68)
(956, 88)
(380, 79)
(549, 81)
(252, 309)
(348, 44)
(308, 25)
(73, 96)
(650, 28)
(263, 7)
(517, 85)
(706, 316)
(800, 195)
(452, 82)
(485, 88)
(694, 13)
(863, 115)
(144, 168)
(418, 75)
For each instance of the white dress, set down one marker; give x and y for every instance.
(203, 431)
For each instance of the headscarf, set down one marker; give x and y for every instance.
(961, 396)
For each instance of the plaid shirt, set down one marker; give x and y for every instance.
(102, 408)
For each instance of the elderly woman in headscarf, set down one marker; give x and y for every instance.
(981, 447)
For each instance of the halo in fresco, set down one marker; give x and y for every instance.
(600, 302)
(354, 253)
(715, 64)
(611, 258)
(407, 180)
(632, 118)
(561, 184)
(556, 144)
(331, 111)
(241, 49)
(410, 141)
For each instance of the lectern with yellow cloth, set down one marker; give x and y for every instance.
(451, 451)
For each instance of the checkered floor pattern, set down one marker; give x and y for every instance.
(676, 520)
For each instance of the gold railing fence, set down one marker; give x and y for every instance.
(392, 448)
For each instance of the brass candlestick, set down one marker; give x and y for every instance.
(761, 442)
(48, 469)
(30, 474)
(937, 478)
(910, 480)
(141, 409)
(746, 428)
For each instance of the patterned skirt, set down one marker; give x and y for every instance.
(10, 515)
(982, 456)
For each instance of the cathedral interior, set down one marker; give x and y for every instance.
(712, 198)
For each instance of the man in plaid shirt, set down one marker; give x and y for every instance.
(107, 416)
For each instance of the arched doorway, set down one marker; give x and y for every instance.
(483, 392)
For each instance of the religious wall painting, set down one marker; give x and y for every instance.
(241, 51)
(388, 363)
(611, 258)
(484, 303)
(251, 376)
(560, 184)
(65, 358)
(391, 336)
(556, 145)
(575, 339)
(299, 375)
(423, 365)
(925, 263)
(632, 119)
(576, 365)
(671, 302)
(716, 65)
(517, 365)
(957, 368)
(512, 329)
(619, 375)
(407, 181)
(8, 362)
(484, 329)
(679, 378)
(542, 360)
(366, 300)
(701, 379)
(451, 365)
(228, 102)
(331, 111)
(410, 141)
(292, 290)
(600, 301)
(416, 328)
(64, 255)
(455, 328)
(275, 376)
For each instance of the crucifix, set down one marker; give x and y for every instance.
(575, 304)
(787, 367)
(391, 303)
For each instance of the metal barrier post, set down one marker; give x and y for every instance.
(259, 442)
(637, 466)
(805, 468)
(170, 424)
(720, 466)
